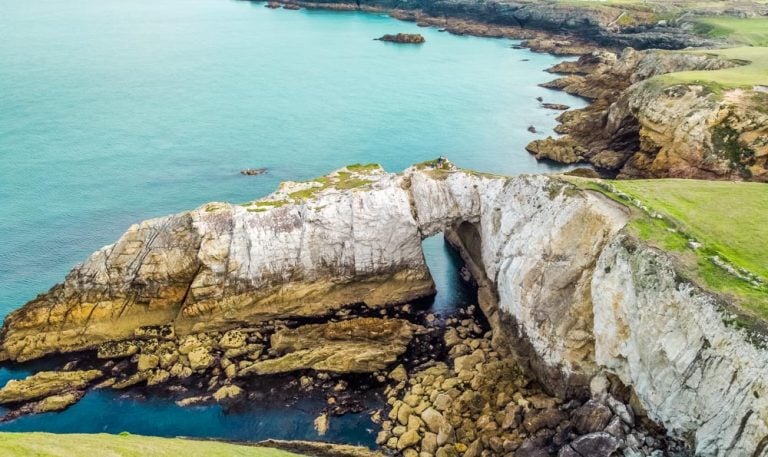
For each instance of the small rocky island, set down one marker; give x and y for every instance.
(406, 38)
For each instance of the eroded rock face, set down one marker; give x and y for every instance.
(669, 341)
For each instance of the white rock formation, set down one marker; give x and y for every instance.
(559, 280)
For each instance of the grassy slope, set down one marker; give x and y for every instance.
(745, 76)
(750, 32)
(77, 445)
(728, 218)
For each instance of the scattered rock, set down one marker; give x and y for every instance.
(229, 392)
(322, 423)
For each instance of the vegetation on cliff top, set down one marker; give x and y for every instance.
(752, 73)
(744, 31)
(716, 230)
(75, 445)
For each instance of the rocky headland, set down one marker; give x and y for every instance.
(585, 342)
(641, 126)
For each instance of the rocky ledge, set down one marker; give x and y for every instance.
(407, 38)
(565, 291)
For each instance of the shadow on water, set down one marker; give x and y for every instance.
(444, 264)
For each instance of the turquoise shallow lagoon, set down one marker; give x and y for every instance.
(114, 111)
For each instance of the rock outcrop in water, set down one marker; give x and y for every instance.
(642, 128)
(561, 284)
(406, 38)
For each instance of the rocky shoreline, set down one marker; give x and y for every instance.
(604, 26)
(449, 393)
(480, 403)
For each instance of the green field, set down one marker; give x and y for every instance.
(83, 445)
(754, 72)
(729, 219)
(742, 31)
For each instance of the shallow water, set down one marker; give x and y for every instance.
(115, 111)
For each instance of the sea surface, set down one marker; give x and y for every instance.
(114, 111)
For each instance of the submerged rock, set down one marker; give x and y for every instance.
(555, 106)
(254, 171)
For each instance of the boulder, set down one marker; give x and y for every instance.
(200, 358)
(233, 339)
(147, 362)
(408, 439)
(599, 444)
(591, 417)
(547, 418)
(228, 392)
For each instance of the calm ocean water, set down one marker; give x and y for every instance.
(113, 111)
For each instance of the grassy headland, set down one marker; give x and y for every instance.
(87, 445)
(743, 31)
(716, 230)
(753, 72)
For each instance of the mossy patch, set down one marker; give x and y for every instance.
(725, 140)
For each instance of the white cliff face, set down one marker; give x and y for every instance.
(539, 249)
(668, 340)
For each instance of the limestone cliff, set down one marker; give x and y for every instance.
(642, 127)
(669, 340)
(560, 282)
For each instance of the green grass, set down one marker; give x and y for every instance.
(363, 168)
(742, 31)
(86, 445)
(729, 219)
(753, 73)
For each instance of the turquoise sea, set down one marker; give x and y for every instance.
(113, 111)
